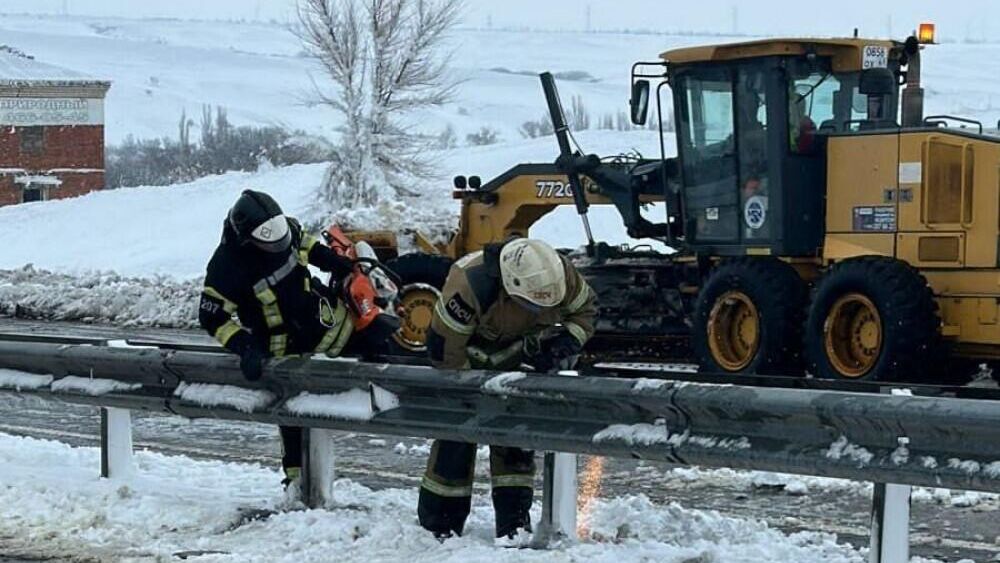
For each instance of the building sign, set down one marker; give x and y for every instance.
(51, 111)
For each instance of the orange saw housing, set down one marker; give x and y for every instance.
(358, 292)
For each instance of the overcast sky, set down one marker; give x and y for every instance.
(956, 19)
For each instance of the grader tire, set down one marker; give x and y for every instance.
(873, 318)
(748, 318)
(423, 276)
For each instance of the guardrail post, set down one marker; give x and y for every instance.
(559, 491)
(890, 535)
(558, 498)
(116, 442)
(317, 467)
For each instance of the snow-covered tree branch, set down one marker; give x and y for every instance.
(382, 60)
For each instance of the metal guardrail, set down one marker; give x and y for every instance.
(899, 439)
(953, 443)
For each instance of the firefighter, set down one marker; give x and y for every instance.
(260, 301)
(508, 305)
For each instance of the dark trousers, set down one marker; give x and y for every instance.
(291, 448)
(446, 490)
(359, 344)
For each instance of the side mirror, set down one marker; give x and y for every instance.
(639, 102)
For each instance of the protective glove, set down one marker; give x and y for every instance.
(557, 352)
(252, 363)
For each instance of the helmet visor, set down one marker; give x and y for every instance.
(272, 235)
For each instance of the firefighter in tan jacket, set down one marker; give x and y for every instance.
(503, 307)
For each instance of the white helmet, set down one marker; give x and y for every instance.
(272, 235)
(532, 270)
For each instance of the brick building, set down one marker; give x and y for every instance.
(51, 130)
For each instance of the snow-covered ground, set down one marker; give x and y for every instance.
(50, 496)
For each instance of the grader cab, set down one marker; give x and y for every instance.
(821, 222)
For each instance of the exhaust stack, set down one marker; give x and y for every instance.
(913, 95)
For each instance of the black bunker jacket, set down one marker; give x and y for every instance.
(271, 301)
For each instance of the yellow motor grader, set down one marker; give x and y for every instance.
(822, 223)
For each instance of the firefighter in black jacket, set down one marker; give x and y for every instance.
(511, 304)
(260, 300)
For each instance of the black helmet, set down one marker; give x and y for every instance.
(257, 219)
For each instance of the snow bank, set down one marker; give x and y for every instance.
(91, 386)
(17, 380)
(98, 297)
(151, 231)
(53, 505)
(211, 395)
(706, 535)
(356, 404)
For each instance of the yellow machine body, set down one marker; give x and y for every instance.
(931, 199)
(509, 205)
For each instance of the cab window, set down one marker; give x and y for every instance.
(811, 106)
(707, 126)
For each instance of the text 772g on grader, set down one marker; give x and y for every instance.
(822, 222)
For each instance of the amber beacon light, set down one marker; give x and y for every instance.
(926, 33)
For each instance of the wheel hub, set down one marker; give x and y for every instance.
(417, 309)
(852, 334)
(733, 331)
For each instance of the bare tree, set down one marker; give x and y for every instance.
(384, 59)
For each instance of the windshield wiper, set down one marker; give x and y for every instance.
(813, 89)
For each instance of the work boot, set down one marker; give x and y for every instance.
(512, 506)
(442, 516)
(510, 527)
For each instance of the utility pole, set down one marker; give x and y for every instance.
(588, 20)
(65, 7)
